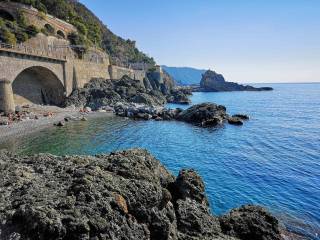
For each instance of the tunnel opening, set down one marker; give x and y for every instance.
(49, 29)
(38, 85)
(60, 34)
(6, 15)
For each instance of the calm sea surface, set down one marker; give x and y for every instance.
(272, 160)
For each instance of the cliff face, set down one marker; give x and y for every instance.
(125, 195)
(214, 82)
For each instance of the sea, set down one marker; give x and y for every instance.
(272, 160)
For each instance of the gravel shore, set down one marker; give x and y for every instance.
(28, 126)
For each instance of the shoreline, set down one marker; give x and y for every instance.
(30, 126)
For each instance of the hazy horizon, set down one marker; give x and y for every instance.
(245, 41)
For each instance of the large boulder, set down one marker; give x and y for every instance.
(251, 222)
(190, 185)
(204, 114)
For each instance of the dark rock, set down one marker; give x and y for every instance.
(67, 119)
(241, 116)
(211, 122)
(214, 82)
(251, 222)
(99, 93)
(18, 109)
(203, 114)
(60, 124)
(190, 185)
(179, 96)
(144, 116)
(124, 195)
(4, 123)
(195, 220)
(235, 121)
(158, 118)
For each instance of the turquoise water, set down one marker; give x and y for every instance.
(273, 160)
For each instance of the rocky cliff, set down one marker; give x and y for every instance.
(104, 92)
(124, 195)
(214, 82)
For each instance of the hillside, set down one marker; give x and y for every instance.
(185, 75)
(91, 30)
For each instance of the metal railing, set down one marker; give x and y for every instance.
(20, 48)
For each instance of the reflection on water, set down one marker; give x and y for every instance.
(272, 160)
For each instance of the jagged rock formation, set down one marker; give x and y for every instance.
(124, 195)
(214, 82)
(100, 92)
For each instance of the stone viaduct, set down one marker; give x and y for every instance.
(45, 69)
(30, 76)
(47, 77)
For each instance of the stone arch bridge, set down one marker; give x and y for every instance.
(31, 76)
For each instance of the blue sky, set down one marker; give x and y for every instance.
(245, 40)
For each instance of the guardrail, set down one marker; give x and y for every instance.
(22, 49)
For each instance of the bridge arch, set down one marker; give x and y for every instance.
(49, 28)
(38, 85)
(61, 34)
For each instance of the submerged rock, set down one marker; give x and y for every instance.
(123, 195)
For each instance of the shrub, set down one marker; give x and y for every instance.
(32, 30)
(9, 37)
(22, 36)
(21, 19)
(42, 15)
(81, 27)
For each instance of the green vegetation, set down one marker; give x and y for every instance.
(17, 31)
(91, 31)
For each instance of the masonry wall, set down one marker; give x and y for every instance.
(11, 65)
(79, 72)
(118, 72)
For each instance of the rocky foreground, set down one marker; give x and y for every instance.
(124, 195)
